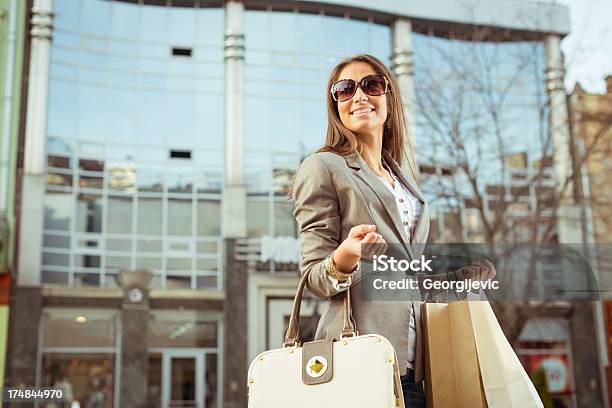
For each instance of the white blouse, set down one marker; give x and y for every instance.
(409, 207)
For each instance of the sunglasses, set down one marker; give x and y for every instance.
(345, 89)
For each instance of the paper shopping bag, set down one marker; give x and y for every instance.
(505, 382)
(452, 377)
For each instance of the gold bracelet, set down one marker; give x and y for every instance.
(330, 267)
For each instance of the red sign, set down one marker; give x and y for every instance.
(557, 370)
(4, 289)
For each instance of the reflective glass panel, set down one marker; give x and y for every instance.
(179, 217)
(150, 215)
(119, 214)
(88, 217)
(58, 210)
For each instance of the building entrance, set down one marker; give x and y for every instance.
(183, 378)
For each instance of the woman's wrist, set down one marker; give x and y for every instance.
(332, 271)
(343, 265)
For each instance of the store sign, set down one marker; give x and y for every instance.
(191, 330)
(556, 368)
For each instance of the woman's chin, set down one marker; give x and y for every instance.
(366, 129)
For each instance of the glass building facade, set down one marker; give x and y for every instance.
(134, 144)
(135, 134)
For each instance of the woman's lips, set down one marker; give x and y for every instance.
(361, 112)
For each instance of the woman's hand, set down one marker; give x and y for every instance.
(481, 270)
(349, 252)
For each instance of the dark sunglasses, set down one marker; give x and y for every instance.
(373, 85)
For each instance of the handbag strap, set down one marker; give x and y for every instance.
(292, 336)
(349, 328)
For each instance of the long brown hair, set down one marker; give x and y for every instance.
(343, 141)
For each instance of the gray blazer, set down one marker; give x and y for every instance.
(332, 194)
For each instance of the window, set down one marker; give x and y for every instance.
(83, 362)
(180, 154)
(181, 52)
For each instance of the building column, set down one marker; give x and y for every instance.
(589, 376)
(235, 363)
(234, 193)
(403, 69)
(134, 347)
(588, 370)
(569, 227)
(559, 120)
(26, 296)
(22, 348)
(33, 182)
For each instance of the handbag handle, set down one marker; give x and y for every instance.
(292, 336)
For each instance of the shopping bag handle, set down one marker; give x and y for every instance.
(292, 336)
(445, 276)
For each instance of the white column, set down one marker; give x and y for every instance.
(559, 121)
(234, 194)
(403, 70)
(33, 188)
(38, 87)
(569, 220)
(403, 64)
(235, 273)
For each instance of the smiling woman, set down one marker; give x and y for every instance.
(352, 193)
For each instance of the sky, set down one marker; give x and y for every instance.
(588, 48)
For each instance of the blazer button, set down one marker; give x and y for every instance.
(405, 222)
(401, 200)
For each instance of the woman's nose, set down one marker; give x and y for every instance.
(360, 95)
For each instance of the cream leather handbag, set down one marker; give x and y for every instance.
(354, 371)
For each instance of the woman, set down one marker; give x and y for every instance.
(353, 192)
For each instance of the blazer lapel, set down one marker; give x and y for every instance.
(409, 182)
(365, 173)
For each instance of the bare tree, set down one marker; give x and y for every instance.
(484, 139)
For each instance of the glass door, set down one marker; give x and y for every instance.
(183, 379)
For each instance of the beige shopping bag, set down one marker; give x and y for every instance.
(452, 377)
(505, 382)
